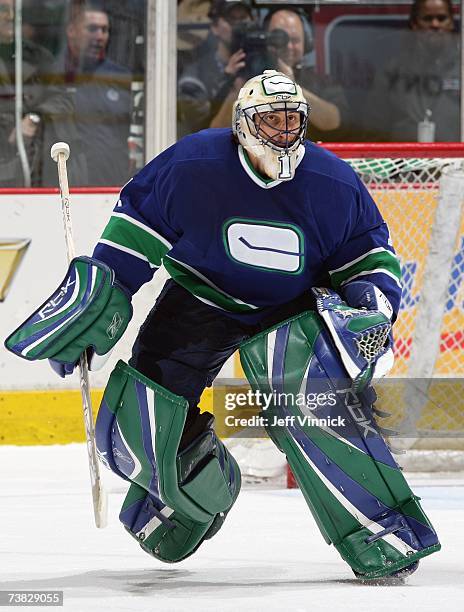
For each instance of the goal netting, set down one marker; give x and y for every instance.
(419, 189)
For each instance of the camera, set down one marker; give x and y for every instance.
(261, 47)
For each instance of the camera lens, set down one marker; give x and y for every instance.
(278, 38)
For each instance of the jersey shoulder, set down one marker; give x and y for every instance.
(324, 163)
(212, 143)
(189, 154)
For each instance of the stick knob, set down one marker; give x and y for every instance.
(57, 148)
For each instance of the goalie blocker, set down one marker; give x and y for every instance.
(353, 486)
(89, 312)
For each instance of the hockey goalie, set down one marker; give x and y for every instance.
(274, 247)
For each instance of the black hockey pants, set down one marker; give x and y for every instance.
(183, 344)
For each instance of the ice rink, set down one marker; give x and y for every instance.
(268, 556)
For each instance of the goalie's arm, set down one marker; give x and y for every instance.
(366, 258)
(91, 308)
(139, 232)
(366, 254)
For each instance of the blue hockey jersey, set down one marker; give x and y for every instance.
(243, 243)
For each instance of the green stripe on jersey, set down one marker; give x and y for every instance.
(378, 262)
(131, 234)
(202, 288)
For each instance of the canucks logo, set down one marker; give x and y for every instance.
(272, 246)
(12, 252)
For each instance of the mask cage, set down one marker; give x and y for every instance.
(293, 137)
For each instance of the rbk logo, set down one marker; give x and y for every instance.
(354, 407)
(56, 300)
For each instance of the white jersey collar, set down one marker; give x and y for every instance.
(255, 176)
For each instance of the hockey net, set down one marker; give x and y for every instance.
(419, 190)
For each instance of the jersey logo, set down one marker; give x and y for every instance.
(276, 247)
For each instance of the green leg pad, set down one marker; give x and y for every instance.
(209, 489)
(176, 499)
(351, 483)
(341, 527)
(172, 541)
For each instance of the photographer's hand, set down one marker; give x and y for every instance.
(236, 63)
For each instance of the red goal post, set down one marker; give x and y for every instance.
(347, 150)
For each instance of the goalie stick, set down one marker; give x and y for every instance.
(60, 153)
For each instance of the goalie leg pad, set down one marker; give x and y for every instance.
(353, 486)
(176, 499)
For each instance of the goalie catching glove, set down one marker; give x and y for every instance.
(88, 312)
(360, 328)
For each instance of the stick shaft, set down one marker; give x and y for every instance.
(66, 207)
(98, 494)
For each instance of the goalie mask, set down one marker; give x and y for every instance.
(269, 119)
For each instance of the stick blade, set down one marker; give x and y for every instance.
(100, 508)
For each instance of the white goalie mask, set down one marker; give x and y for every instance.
(254, 114)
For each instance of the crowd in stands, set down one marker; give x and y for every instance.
(79, 89)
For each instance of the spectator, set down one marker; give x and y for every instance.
(192, 30)
(422, 81)
(206, 82)
(326, 99)
(432, 15)
(42, 104)
(101, 91)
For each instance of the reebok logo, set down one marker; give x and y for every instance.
(113, 327)
(351, 401)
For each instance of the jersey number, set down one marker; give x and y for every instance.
(284, 167)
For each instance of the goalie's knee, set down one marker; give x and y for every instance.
(177, 498)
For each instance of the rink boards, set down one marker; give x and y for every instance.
(39, 408)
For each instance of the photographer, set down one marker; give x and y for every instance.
(326, 100)
(286, 45)
(206, 82)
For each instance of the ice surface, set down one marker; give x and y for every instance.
(268, 556)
